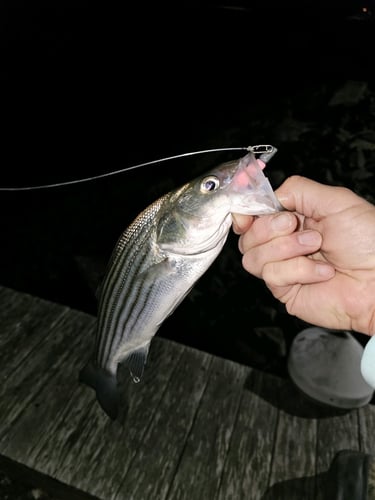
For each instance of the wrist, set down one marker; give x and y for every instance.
(363, 320)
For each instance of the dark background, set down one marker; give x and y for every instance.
(87, 90)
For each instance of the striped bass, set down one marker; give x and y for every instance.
(159, 258)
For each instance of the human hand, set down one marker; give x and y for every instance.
(319, 258)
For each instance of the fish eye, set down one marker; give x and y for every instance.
(210, 184)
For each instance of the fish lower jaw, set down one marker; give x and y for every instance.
(259, 210)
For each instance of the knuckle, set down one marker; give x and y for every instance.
(271, 274)
(292, 180)
(247, 241)
(240, 244)
(251, 264)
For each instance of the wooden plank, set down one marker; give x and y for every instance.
(44, 386)
(336, 433)
(55, 489)
(294, 457)
(14, 304)
(59, 445)
(51, 440)
(295, 448)
(10, 299)
(104, 449)
(367, 429)
(201, 464)
(22, 316)
(196, 426)
(26, 334)
(156, 459)
(247, 466)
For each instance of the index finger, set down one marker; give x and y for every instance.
(242, 223)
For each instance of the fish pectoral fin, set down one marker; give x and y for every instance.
(155, 271)
(136, 362)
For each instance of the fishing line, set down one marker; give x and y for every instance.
(260, 149)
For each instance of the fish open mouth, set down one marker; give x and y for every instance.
(250, 189)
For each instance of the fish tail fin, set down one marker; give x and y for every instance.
(105, 385)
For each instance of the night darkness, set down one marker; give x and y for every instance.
(89, 90)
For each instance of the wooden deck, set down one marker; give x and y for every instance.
(196, 427)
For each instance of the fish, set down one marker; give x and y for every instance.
(159, 258)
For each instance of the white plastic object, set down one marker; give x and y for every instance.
(326, 365)
(368, 362)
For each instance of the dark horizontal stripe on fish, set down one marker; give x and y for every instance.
(143, 298)
(132, 239)
(110, 318)
(120, 327)
(119, 290)
(120, 284)
(111, 292)
(126, 328)
(117, 270)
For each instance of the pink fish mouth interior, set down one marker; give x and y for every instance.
(248, 174)
(254, 188)
(261, 164)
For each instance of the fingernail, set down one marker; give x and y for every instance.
(310, 238)
(324, 270)
(281, 222)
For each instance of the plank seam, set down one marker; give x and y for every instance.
(193, 420)
(235, 420)
(147, 429)
(275, 432)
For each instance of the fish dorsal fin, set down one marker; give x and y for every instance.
(136, 362)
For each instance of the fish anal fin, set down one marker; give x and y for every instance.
(136, 362)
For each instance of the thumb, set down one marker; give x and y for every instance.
(313, 199)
